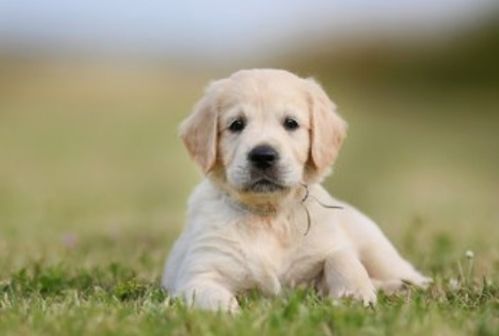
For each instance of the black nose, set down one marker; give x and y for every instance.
(263, 156)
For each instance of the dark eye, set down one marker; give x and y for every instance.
(237, 125)
(290, 124)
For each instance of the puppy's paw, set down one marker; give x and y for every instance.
(232, 307)
(222, 304)
(388, 286)
(211, 297)
(418, 280)
(391, 286)
(364, 292)
(347, 277)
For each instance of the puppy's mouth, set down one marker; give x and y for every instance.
(264, 185)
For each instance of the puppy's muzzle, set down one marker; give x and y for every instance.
(263, 157)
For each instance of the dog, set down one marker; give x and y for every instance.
(265, 139)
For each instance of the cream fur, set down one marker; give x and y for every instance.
(236, 240)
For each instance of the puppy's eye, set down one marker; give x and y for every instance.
(237, 125)
(290, 124)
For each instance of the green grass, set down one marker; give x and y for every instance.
(93, 192)
(114, 299)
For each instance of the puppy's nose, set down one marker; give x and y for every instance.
(263, 156)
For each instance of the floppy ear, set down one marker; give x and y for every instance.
(327, 129)
(199, 130)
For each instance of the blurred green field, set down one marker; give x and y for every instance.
(94, 181)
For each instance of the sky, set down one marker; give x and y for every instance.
(232, 28)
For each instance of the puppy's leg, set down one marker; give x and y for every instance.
(388, 269)
(209, 295)
(384, 265)
(346, 276)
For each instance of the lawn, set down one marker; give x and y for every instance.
(93, 185)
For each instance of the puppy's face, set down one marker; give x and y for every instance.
(264, 132)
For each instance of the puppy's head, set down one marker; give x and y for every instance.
(264, 132)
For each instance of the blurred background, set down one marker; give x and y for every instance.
(91, 93)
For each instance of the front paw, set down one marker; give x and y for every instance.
(365, 293)
(216, 302)
(419, 280)
(211, 297)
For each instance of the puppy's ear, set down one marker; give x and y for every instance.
(327, 129)
(199, 130)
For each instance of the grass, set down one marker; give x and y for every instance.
(113, 299)
(93, 191)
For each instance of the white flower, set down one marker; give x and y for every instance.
(469, 254)
(454, 284)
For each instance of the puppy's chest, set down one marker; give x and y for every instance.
(277, 254)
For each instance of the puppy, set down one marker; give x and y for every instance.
(265, 139)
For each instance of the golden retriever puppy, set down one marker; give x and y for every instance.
(265, 139)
